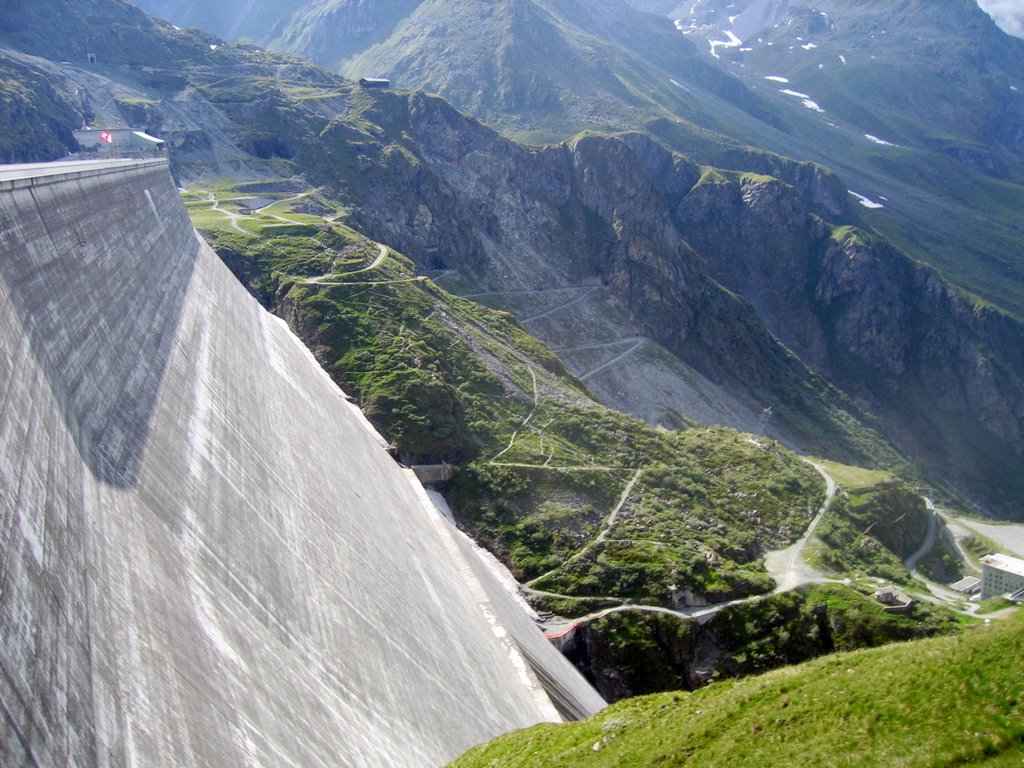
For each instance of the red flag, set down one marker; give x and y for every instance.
(105, 136)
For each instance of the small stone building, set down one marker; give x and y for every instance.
(894, 600)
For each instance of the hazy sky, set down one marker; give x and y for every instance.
(1009, 14)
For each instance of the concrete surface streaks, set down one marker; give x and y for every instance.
(206, 558)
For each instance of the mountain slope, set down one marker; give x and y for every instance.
(598, 207)
(542, 69)
(937, 146)
(328, 33)
(37, 114)
(589, 211)
(645, 236)
(553, 66)
(115, 31)
(538, 463)
(917, 105)
(950, 114)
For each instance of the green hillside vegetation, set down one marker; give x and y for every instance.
(698, 521)
(874, 523)
(855, 477)
(869, 531)
(794, 626)
(938, 702)
(950, 114)
(638, 652)
(540, 467)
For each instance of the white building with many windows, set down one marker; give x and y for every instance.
(1001, 575)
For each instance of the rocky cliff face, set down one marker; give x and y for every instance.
(718, 267)
(36, 118)
(453, 194)
(884, 329)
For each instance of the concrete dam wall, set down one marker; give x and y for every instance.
(206, 557)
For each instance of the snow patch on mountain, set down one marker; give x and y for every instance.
(876, 140)
(808, 102)
(731, 42)
(867, 202)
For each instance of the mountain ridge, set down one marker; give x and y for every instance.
(452, 194)
(651, 76)
(914, 105)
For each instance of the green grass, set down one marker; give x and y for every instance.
(699, 514)
(870, 533)
(973, 240)
(992, 605)
(939, 702)
(853, 478)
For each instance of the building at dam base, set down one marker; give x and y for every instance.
(207, 557)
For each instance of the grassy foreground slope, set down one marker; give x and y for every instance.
(946, 701)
